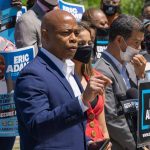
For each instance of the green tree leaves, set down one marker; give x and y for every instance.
(132, 7)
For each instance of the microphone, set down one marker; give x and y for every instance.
(132, 93)
(129, 105)
(129, 102)
(121, 96)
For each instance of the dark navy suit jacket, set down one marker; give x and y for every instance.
(49, 115)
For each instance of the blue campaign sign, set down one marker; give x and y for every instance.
(4, 4)
(8, 119)
(8, 20)
(75, 9)
(8, 16)
(16, 60)
(12, 62)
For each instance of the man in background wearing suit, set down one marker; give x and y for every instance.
(28, 26)
(51, 105)
(126, 34)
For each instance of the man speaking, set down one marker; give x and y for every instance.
(50, 102)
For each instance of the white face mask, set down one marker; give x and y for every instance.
(128, 54)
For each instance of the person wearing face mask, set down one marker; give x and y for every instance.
(98, 20)
(111, 8)
(123, 64)
(96, 128)
(28, 26)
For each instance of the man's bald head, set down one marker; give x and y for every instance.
(59, 33)
(96, 17)
(54, 18)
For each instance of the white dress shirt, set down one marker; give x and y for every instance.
(122, 69)
(67, 68)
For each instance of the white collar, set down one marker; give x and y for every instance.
(116, 62)
(67, 67)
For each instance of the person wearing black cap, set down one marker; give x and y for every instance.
(27, 30)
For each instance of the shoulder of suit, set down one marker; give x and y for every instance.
(100, 62)
(33, 66)
(101, 65)
(29, 16)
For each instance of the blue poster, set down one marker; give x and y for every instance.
(8, 17)
(8, 20)
(4, 4)
(11, 64)
(75, 9)
(16, 60)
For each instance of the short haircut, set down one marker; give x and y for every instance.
(124, 25)
(88, 15)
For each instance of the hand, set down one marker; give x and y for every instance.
(95, 87)
(145, 148)
(96, 145)
(139, 63)
(17, 3)
(105, 79)
(109, 146)
(92, 146)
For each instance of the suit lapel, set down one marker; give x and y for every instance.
(54, 69)
(132, 77)
(115, 72)
(78, 82)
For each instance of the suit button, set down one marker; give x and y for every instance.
(93, 134)
(91, 116)
(92, 124)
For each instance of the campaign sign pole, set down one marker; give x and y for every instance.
(143, 134)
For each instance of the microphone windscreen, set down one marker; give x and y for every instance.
(132, 93)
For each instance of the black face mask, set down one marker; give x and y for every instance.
(110, 10)
(83, 54)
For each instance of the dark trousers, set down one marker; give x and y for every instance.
(7, 143)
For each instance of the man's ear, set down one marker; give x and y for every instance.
(121, 42)
(118, 39)
(44, 34)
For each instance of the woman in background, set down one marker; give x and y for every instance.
(96, 128)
